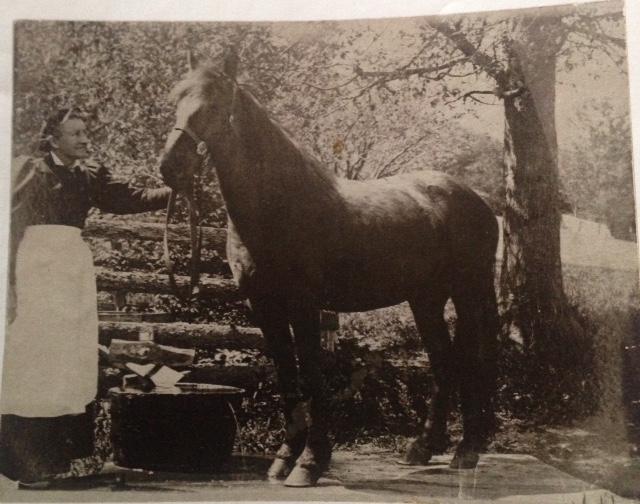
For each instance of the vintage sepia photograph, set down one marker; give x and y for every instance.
(381, 259)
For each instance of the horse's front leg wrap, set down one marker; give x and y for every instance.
(282, 463)
(313, 461)
(295, 437)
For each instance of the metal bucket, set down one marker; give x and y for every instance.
(187, 428)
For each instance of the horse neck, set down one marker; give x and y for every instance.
(269, 184)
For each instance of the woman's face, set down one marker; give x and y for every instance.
(71, 143)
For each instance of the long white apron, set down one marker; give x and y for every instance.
(51, 353)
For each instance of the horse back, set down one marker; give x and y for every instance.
(401, 234)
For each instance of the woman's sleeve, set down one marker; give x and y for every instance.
(118, 197)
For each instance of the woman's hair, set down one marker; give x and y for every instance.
(50, 127)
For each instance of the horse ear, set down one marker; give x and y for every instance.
(231, 62)
(192, 62)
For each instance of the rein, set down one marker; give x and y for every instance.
(195, 227)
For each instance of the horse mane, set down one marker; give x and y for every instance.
(270, 140)
(197, 83)
(264, 139)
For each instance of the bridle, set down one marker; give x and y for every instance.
(195, 227)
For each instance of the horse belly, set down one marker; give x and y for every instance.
(361, 303)
(354, 288)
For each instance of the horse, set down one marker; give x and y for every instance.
(301, 239)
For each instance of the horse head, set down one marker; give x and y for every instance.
(204, 103)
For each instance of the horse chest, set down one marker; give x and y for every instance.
(273, 269)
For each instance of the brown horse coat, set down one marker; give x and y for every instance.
(301, 239)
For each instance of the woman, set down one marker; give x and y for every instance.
(51, 356)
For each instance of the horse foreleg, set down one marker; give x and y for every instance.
(315, 457)
(429, 318)
(271, 316)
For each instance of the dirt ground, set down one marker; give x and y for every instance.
(366, 475)
(597, 450)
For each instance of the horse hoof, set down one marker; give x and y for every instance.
(280, 469)
(465, 460)
(303, 477)
(417, 454)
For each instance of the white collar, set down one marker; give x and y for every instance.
(58, 162)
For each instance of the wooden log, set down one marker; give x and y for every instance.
(215, 238)
(148, 352)
(246, 377)
(224, 289)
(184, 335)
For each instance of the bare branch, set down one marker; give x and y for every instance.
(384, 170)
(461, 76)
(593, 30)
(480, 101)
(382, 77)
(588, 48)
(609, 16)
(385, 86)
(490, 65)
(417, 55)
(403, 72)
(332, 88)
(363, 153)
(471, 95)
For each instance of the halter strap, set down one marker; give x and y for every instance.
(201, 146)
(195, 227)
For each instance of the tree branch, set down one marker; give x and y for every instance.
(592, 29)
(588, 48)
(332, 88)
(404, 72)
(488, 64)
(382, 77)
(471, 95)
(381, 172)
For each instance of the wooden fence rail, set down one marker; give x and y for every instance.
(214, 238)
(184, 335)
(223, 288)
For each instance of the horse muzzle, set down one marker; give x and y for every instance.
(174, 178)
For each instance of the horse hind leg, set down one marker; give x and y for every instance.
(428, 312)
(475, 346)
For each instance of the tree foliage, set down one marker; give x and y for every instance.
(120, 75)
(598, 169)
(369, 99)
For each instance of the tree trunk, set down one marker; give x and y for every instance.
(531, 291)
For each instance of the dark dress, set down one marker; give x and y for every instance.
(33, 448)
